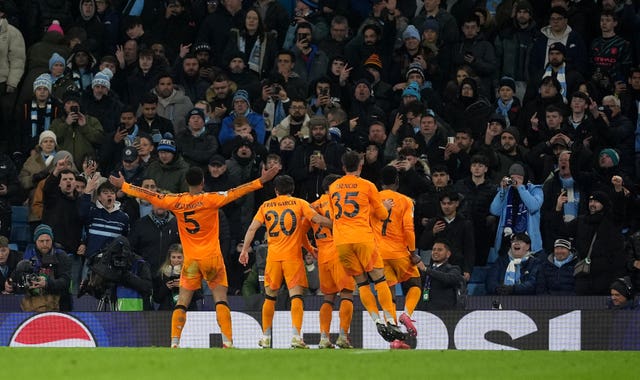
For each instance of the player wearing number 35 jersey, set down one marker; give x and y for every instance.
(283, 217)
(197, 216)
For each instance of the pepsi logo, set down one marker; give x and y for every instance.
(52, 330)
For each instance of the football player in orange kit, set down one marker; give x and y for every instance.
(283, 217)
(197, 216)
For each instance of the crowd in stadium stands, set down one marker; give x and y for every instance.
(513, 124)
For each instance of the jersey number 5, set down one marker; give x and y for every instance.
(188, 220)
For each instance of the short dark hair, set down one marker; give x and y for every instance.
(106, 186)
(287, 52)
(442, 241)
(66, 171)
(149, 98)
(328, 180)
(128, 109)
(389, 175)
(452, 195)
(146, 53)
(351, 161)
(194, 176)
(440, 169)
(284, 184)
(165, 74)
(553, 108)
(79, 177)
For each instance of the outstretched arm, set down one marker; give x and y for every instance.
(248, 238)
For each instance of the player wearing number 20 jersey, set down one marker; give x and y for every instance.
(283, 216)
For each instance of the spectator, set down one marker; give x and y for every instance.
(166, 281)
(338, 37)
(257, 45)
(513, 46)
(307, 51)
(448, 28)
(477, 192)
(322, 99)
(219, 179)
(110, 20)
(315, 159)
(244, 166)
(517, 205)
(216, 27)
(413, 179)
(170, 169)
(60, 212)
(133, 171)
(508, 105)
(173, 104)
(125, 135)
(12, 66)
(476, 52)
(633, 258)
(103, 220)
(101, 103)
(517, 272)
(154, 234)
(443, 281)
(242, 107)
(558, 31)
(77, 132)
(598, 236)
(143, 77)
(35, 168)
(568, 77)
(50, 292)
(295, 124)
(455, 228)
(88, 20)
(470, 109)
(80, 65)
(187, 70)
(38, 114)
(622, 295)
(609, 55)
(175, 27)
(613, 129)
(197, 143)
(8, 261)
(311, 270)
(306, 11)
(556, 273)
(149, 121)
(10, 192)
(430, 138)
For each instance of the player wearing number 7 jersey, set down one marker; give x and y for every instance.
(354, 201)
(286, 234)
(197, 216)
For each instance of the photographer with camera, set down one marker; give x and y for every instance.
(119, 278)
(517, 204)
(8, 261)
(44, 275)
(76, 132)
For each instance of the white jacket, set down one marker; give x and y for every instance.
(12, 54)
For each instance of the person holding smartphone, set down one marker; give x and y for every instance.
(76, 132)
(307, 52)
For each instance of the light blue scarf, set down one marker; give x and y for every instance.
(512, 274)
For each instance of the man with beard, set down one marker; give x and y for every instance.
(100, 102)
(188, 77)
(567, 76)
(60, 211)
(296, 124)
(374, 40)
(313, 160)
(220, 96)
(364, 110)
(149, 121)
(510, 152)
(172, 104)
(244, 78)
(597, 236)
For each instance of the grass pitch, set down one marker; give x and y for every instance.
(181, 364)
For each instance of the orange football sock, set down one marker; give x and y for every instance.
(346, 314)
(412, 299)
(178, 319)
(326, 312)
(223, 315)
(386, 300)
(297, 311)
(369, 301)
(268, 309)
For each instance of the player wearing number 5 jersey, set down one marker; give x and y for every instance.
(396, 242)
(197, 216)
(354, 201)
(283, 216)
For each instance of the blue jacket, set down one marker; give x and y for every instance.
(557, 281)
(256, 121)
(528, 276)
(532, 197)
(101, 225)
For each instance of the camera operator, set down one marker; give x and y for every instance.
(8, 261)
(119, 278)
(517, 205)
(44, 275)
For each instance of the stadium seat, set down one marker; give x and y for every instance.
(476, 289)
(20, 230)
